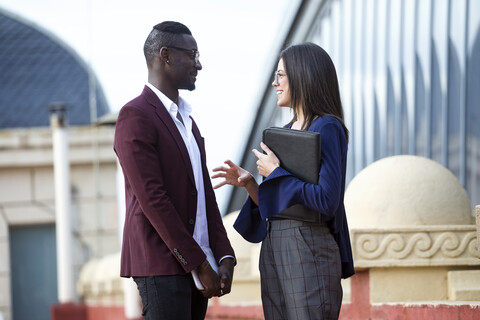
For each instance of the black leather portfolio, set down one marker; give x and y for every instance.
(299, 153)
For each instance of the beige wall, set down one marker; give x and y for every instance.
(27, 192)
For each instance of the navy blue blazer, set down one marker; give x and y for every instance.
(281, 190)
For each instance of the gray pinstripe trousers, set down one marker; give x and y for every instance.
(300, 272)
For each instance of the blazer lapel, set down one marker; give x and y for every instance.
(165, 117)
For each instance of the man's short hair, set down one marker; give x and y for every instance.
(163, 34)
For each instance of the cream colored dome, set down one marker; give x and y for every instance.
(240, 245)
(246, 253)
(406, 190)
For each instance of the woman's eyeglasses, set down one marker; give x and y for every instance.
(277, 76)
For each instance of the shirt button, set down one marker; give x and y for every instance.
(191, 221)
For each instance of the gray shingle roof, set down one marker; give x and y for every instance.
(35, 70)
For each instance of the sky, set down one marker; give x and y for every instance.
(238, 43)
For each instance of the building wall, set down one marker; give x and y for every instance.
(409, 80)
(27, 193)
(409, 73)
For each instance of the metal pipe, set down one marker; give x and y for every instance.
(61, 166)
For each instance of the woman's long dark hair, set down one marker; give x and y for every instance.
(313, 83)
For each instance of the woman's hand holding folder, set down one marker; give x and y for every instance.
(267, 162)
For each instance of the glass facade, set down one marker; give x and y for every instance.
(409, 78)
(409, 73)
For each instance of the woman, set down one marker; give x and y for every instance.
(301, 263)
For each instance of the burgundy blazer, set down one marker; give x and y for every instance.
(161, 197)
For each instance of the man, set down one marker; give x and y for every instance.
(172, 218)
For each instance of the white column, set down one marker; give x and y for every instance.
(133, 308)
(65, 280)
(131, 296)
(477, 213)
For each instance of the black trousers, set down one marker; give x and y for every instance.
(171, 298)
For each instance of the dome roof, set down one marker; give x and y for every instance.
(35, 70)
(241, 246)
(403, 191)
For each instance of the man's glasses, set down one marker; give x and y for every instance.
(277, 75)
(194, 52)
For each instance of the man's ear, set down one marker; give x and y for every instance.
(164, 55)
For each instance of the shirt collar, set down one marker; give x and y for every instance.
(184, 107)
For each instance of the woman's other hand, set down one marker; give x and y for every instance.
(266, 163)
(233, 174)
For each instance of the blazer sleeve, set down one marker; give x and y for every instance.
(249, 223)
(281, 189)
(135, 146)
